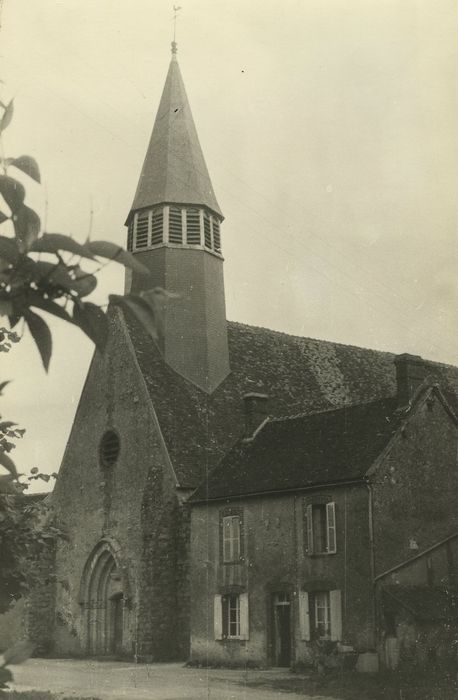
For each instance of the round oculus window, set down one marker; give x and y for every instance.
(110, 446)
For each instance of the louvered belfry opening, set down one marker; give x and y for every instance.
(174, 225)
(193, 233)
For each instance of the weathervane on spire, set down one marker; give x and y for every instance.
(176, 8)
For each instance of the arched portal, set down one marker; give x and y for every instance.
(104, 603)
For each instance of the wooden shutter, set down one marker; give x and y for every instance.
(309, 520)
(218, 616)
(244, 616)
(304, 615)
(331, 544)
(335, 599)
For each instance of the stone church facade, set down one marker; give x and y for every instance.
(154, 419)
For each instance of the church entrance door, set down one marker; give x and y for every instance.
(105, 606)
(117, 619)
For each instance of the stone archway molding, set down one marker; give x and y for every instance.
(105, 545)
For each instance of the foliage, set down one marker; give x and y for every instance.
(16, 654)
(53, 273)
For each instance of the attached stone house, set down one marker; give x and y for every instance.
(418, 603)
(155, 419)
(291, 532)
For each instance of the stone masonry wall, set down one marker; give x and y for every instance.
(94, 503)
(415, 488)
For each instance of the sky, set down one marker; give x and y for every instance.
(329, 130)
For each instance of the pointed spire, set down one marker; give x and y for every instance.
(174, 169)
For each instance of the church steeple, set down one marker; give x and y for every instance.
(174, 228)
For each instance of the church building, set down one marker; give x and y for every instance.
(156, 418)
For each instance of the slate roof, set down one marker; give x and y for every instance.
(426, 604)
(300, 375)
(174, 169)
(293, 453)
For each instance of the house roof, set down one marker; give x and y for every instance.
(174, 169)
(297, 452)
(425, 603)
(300, 375)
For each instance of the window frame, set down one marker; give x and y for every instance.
(235, 557)
(308, 617)
(225, 605)
(329, 508)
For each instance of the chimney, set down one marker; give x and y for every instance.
(411, 371)
(255, 410)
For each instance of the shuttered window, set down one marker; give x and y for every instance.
(216, 235)
(231, 538)
(157, 226)
(321, 528)
(193, 227)
(175, 225)
(207, 231)
(141, 231)
(231, 616)
(320, 615)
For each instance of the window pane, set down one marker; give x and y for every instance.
(231, 538)
(322, 614)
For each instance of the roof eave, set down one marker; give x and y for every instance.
(355, 481)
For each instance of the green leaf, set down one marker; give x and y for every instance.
(9, 250)
(8, 463)
(93, 321)
(34, 298)
(83, 283)
(28, 165)
(105, 249)
(3, 385)
(47, 274)
(41, 335)
(53, 242)
(7, 116)
(27, 226)
(4, 425)
(18, 653)
(6, 307)
(12, 192)
(141, 309)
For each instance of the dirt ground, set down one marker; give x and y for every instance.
(113, 680)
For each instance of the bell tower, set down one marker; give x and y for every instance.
(174, 228)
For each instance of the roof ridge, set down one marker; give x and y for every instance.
(307, 337)
(390, 353)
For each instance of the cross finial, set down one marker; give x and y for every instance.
(176, 8)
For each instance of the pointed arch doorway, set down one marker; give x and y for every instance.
(104, 603)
